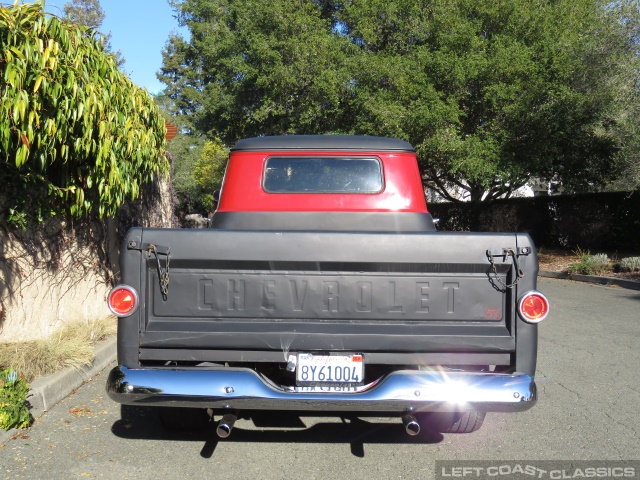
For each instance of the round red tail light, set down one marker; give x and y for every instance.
(534, 307)
(122, 300)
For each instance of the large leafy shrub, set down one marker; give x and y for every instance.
(76, 135)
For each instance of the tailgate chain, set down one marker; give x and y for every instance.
(163, 273)
(506, 253)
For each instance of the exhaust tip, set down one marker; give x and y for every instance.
(411, 425)
(223, 430)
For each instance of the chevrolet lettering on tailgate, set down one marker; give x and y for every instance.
(314, 296)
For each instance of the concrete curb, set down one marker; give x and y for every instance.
(607, 281)
(46, 391)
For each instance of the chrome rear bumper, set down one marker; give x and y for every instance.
(401, 391)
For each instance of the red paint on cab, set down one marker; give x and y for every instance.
(243, 192)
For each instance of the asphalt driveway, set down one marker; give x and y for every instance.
(589, 357)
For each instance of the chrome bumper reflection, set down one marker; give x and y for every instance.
(244, 389)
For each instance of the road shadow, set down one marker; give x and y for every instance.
(143, 423)
(632, 297)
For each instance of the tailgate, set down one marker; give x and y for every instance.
(290, 291)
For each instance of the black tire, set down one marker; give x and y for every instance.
(455, 422)
(180, 419)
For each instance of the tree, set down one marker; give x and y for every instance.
(184, 151)
(516, 89)
(209, 170)
(490, 93)
(628, 126)
(75, 132)
(259, 68)
(85, 12)
(90, 14)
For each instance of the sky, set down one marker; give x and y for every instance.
(139, 29)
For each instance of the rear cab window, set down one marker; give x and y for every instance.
(318, 174)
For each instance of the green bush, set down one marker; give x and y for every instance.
(630, 264)
(590, 264)
(14, 412)
(209, 170)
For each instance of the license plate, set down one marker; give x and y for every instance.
(336, 369)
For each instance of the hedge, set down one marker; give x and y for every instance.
(598, 221)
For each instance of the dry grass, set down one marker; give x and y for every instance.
(71, 346)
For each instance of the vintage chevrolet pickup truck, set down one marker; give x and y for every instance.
(323, 286)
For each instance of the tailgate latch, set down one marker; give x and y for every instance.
(156, 250)
(505, 254)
